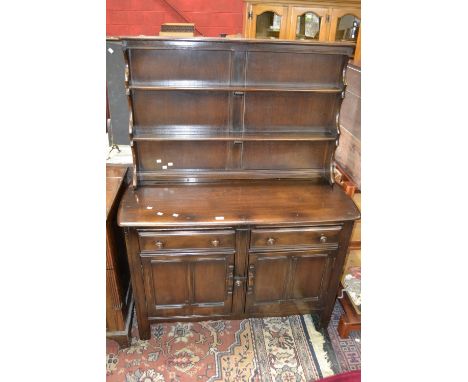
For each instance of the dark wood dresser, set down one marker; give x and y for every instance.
(233, 212)
(119, 300)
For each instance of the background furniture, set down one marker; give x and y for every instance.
(232, 213)
(350, 319)
(348, 153)
(117, 122)
(119, 300)
(305, 20)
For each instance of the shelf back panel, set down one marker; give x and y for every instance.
(181, 108)
(303, 69)
(276, 111)
(179, 67)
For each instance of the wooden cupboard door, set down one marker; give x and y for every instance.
(308, 24)
(188, 285)
(268, 21)
(288, 282)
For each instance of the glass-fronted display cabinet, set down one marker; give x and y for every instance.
(320, 20)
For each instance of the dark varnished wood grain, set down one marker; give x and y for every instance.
(232, 213)
(293, 281)
(271, 238)
(228, 90)
(269, 202)
(163, 241)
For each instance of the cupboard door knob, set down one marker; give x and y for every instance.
(159, 244)
(238, 283)
(215, 243)
(323, 239)
(271, 241)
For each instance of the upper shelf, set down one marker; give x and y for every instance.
(237, 136)
(247, 88)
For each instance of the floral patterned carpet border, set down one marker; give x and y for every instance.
(277, 349)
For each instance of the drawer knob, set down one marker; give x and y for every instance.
(159, 244)
(271, 241)
(238, 283)
(323, 239)
(215, 243)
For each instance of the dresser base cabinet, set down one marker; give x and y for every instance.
(187, 267)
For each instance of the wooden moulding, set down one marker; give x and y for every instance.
(130, 118)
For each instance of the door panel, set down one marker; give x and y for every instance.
(288, 282)
(268, 269)
(304, 286)
(209, 277)
(345, 24)
(188, 284)
(308, 24)
(268, 22)
(170, 282)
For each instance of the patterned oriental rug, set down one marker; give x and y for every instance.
(276, 349)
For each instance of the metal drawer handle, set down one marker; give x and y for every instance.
(323, 239)
(159, 244)
(215, 243)
(271, 241)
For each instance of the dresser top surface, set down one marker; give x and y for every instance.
(241, 203)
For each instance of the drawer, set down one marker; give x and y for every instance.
(154, 241)
(303, 236)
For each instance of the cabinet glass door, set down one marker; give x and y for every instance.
(345, 25)
(268, 22)
(308, 24)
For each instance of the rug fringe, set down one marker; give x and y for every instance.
(318, 342)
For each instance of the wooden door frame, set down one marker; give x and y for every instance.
(258, 9)
(336, 13)
(294, 12)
